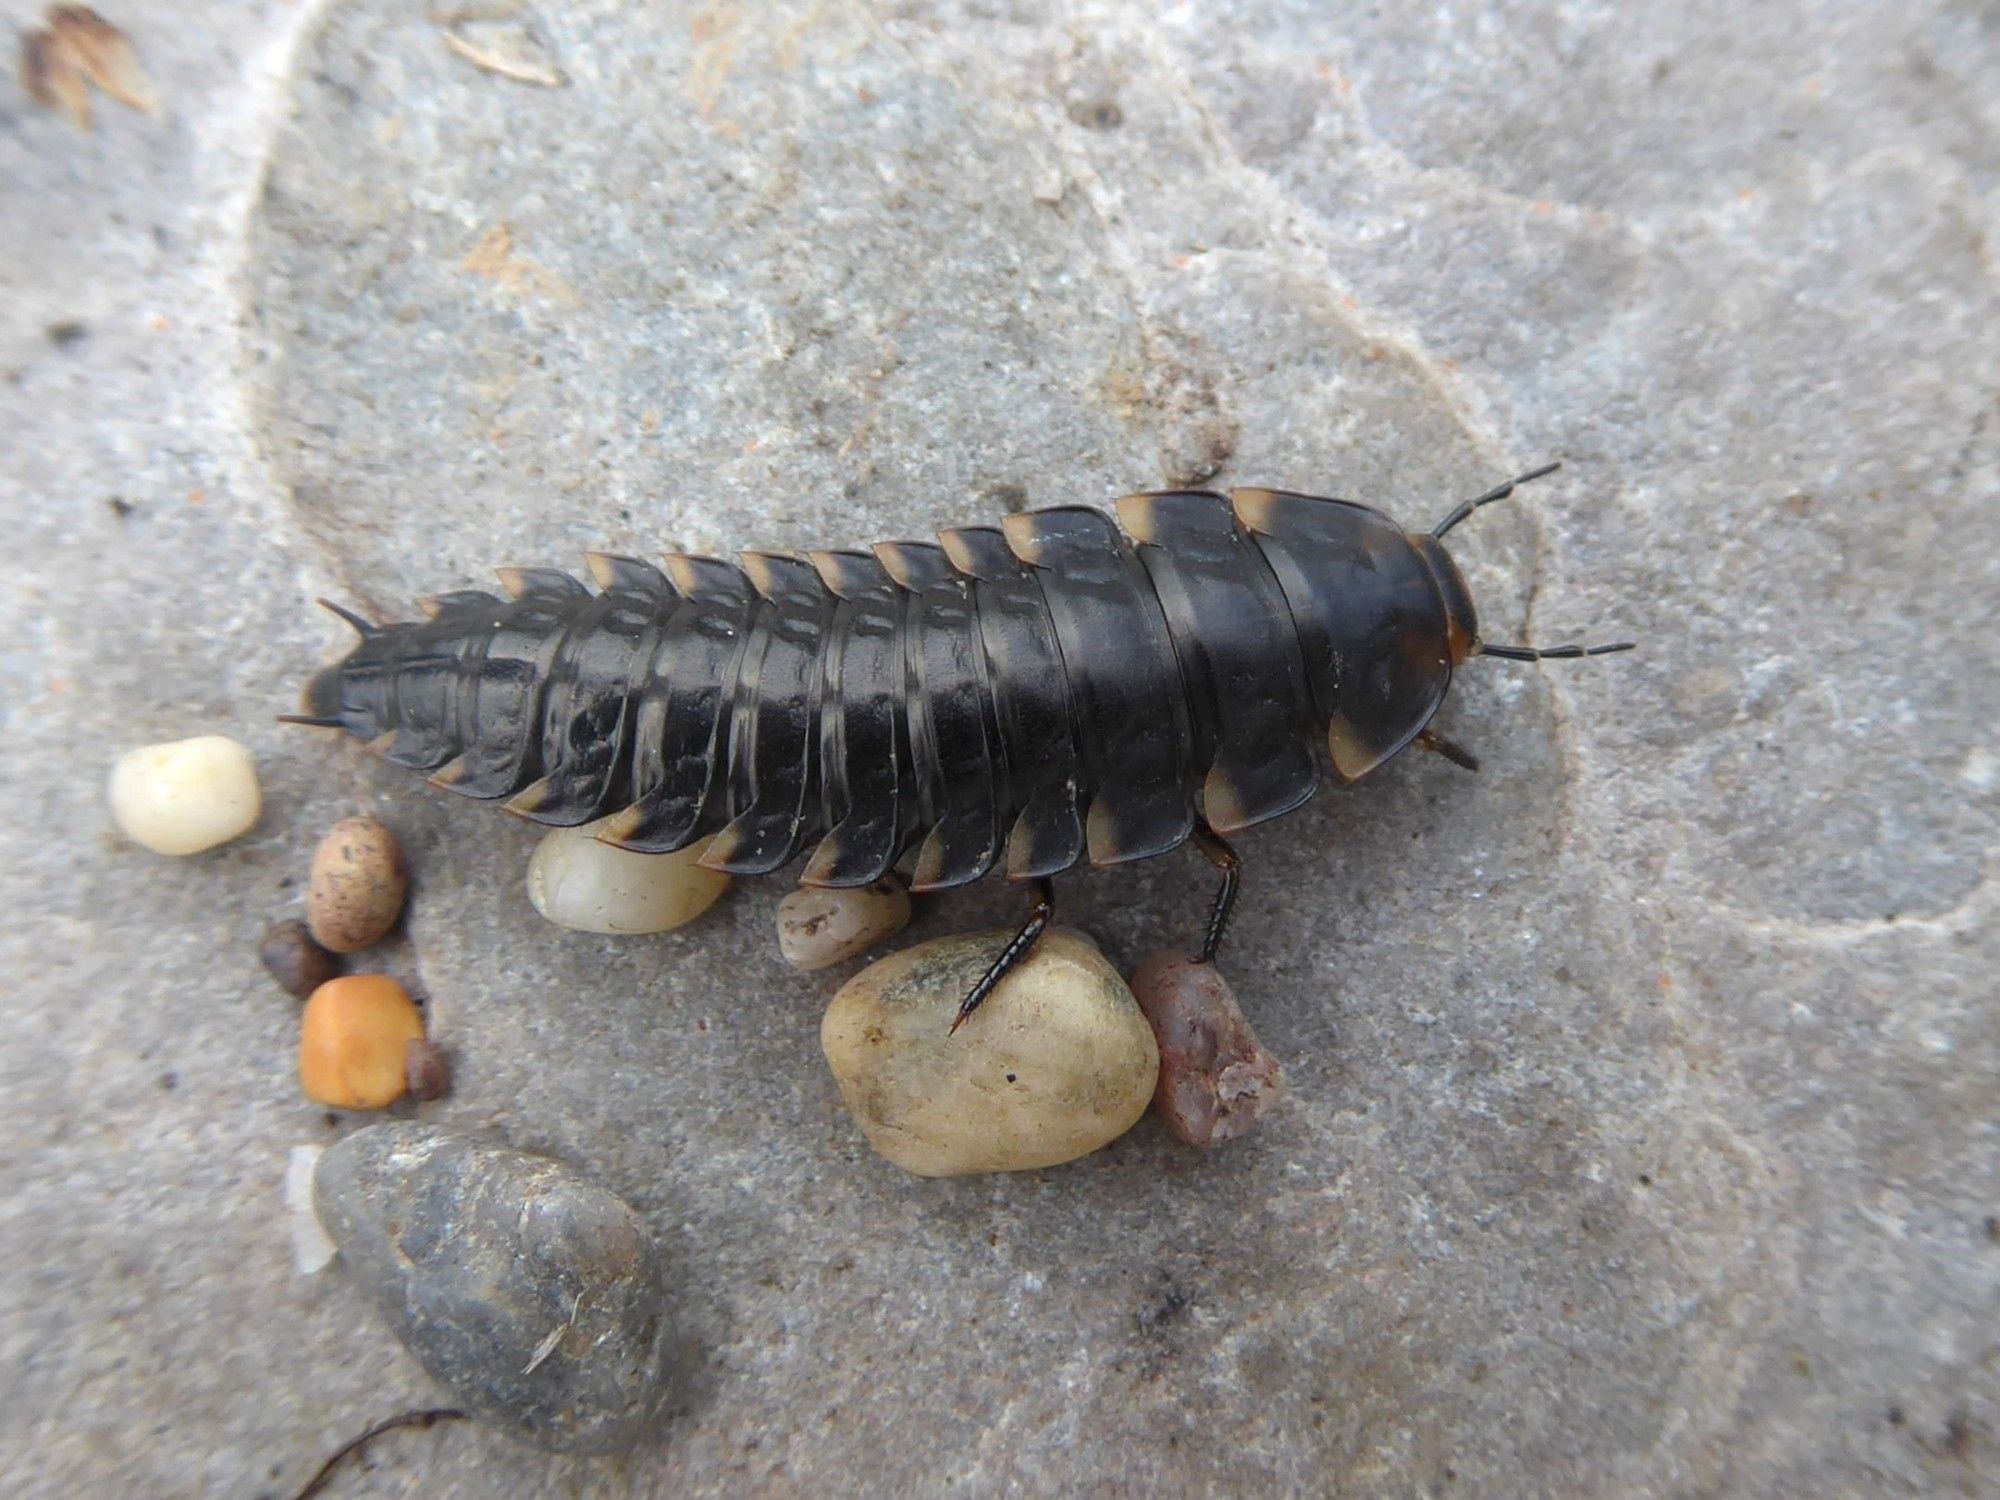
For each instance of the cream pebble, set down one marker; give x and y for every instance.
(578, 883)
(1058, 1062)
(820, 928)
(186, 795)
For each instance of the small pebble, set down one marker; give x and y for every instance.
(579, 883)
(1216, 1079)
(354, 1042)
(1058, 1062)
(298, 963)
(311, 1248)
(355, 892)
(533, 1296)
(820, 928)
(426, 1070)
(187, 795)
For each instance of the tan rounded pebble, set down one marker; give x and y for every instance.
(820, 928)
(578, 883)
(355, 891)
(354, 1042)
(1058, 1062)
(1216, 1079)
(186, 795)
(426, 1070)
(292, 958)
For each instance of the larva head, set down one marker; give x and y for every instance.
(1461, 619)
(1372, 623)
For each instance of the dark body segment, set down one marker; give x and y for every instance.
(774, 718)
(949, 713)
(1239, 656)
(589, 702)
(685, 690)
(1038, 755)
(422, 688)
(863, 736)
(1046, 688)
(1126, 699)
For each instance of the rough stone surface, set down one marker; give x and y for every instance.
(530, 1294)
(1640, 1136)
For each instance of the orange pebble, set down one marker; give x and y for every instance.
(354, 1041)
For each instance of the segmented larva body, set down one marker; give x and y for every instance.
(1037, 694)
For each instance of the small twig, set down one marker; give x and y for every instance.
(406, 1419)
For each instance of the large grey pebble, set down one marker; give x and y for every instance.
(532, 1295)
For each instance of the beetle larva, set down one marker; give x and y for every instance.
(1043, 693)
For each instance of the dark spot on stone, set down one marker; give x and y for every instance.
(120, 506)
(1993, 1228)
(1958, 1435)
(1007, 494)
(1097, 114)
(1012, 1079)
(1895, 1416)
(1645, 1179)
(64, 334)
(1168, 1305)
(170, 1080)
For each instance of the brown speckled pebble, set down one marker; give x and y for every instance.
(357, 886)
(1216, 1079)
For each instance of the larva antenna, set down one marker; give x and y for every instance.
(1551, 653)
(1498, 492)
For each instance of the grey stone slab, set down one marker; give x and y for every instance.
(1639, 1136)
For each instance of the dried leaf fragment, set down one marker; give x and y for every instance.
(494, 258)
(52, 80)
(76, 47)
(511, 51)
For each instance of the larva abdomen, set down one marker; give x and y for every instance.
(1032, 695)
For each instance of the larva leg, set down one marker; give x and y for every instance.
(1018, 948)
(1456, 753)
(1226, 859)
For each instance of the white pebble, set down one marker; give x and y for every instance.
(312, 1248)
(1058, 1062)
(578, 883)
(820, 928)
(186, 795)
